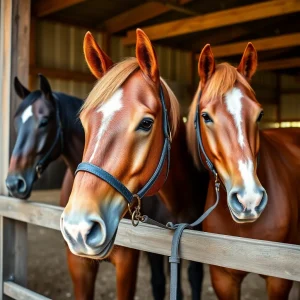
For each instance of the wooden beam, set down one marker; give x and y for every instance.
(42, 8)
(15, 291)
(265, 44)
(289, 63)
(32, 53)
(137, 15)
(77, 76)
(256, 256)
(217, 19)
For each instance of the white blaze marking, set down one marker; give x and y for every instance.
(234, 106)
(27, 113)
(250, 198)
(108, 109)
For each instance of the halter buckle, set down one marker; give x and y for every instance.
(136, 215)
(39, 170)
(217, 183)
(170, 136)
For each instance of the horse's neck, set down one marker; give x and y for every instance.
(279, 151)
(73, 133)
(184, 192)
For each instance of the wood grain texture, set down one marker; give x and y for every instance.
(43, 8)
(217, 19)
(14, 61)
(137, 15)
(289, 63)
(77, 76)
(18, 292)
(269, 43)
(262, 257)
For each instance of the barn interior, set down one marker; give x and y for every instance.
(179, 29)
(52, 31)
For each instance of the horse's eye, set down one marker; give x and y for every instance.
(260, 116)
(206, 118)
(44, 122)
(146, 124)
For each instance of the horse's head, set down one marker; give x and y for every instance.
(36, 126)
(229, 115)
(123, 122)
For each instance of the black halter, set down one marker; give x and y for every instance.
(209, 165)
(42, 163)
(119, 186)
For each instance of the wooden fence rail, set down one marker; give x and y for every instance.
(256, 256)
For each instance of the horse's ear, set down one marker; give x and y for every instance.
(206, 64)
(20, 89)
(146, 56)
(98, 61)
(45, 87)
(248, 64)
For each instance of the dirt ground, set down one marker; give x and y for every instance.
(48, 273)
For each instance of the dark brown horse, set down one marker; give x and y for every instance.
(259, 170)
(123, 114)
(48, 127)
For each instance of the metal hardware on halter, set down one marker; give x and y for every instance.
(136, 215)
(39, 170)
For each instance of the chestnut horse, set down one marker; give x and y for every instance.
(124, 113)
(48, 127)
(259, 170)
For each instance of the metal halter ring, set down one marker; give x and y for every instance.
(136, 215)
(217, 183)
(39, 170)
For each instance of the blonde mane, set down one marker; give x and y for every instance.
(223, 80)
(114, 78)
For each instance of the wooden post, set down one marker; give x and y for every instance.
(14, 61)
(278, 97)
(295, 291)
(32, 54)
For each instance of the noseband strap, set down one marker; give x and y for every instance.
(119, 186)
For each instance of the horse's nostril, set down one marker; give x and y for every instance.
(21, 185)
(16, 184)
(236, 203)
(262, 203)
(96, 235)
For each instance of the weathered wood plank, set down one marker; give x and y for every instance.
(137, 15)
(288, 63)
(63, 74)
(295, 291)
(218, 19)
(43, 8)
(269, 43)
(18, 292)
(262, 257)
(14, 61)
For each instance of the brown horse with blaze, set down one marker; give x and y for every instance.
(123, 123)
(259, 170)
